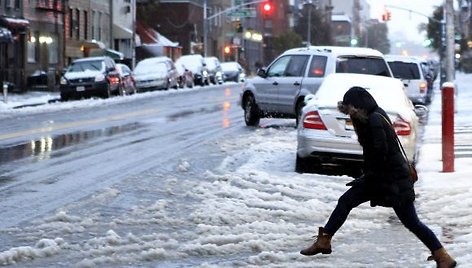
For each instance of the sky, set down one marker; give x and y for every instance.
(404, 23)
(255, 211)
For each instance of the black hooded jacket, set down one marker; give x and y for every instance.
(385, 168)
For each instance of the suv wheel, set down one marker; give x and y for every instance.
(251, 112)
(107, 93)
(121, 90)
(298, 112)
(64, 97)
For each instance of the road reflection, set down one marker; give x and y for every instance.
(226, 107)
(43, 147)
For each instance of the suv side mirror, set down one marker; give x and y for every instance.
(262, 72)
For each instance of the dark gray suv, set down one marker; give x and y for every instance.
(92, 76)
(279, 89)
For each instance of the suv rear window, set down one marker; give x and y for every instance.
(404, 70)
(362, 65)
(317, 66)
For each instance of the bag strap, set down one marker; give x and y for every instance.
(396, 137)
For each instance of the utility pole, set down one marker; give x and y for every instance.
(205, 28)
(133, 36)
(449, 15)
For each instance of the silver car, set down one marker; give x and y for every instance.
(279, 90)
(412, 73)
(326, 137)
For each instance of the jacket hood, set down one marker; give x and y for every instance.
(359, 98)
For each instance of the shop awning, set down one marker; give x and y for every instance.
(120, 32)
(5, 36)
(116, 55)
(14, 23)
(151, 36)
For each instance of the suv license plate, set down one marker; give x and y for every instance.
(81, 88)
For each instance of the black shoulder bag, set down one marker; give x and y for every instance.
(413, 172)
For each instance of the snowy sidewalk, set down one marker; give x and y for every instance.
(32, 98)
(445, 199)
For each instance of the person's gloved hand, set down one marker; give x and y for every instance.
(357, 181)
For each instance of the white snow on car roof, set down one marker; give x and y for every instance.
(388, 92)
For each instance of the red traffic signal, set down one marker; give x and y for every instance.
(267, 8)
(387, 15)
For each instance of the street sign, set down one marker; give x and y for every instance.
(244, 12)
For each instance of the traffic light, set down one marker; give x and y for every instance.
(427, 42)
(227, 50)
(387, 15)
(267, 8)
(239, 27)
(354, 42)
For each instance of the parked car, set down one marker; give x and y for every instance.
(128, 84)
(92, 76)
(326, 136)
(233, 71)
(185, 76)
(197, 65)
(279, 90)
(214, 70)
(156, 73)
(412, 73)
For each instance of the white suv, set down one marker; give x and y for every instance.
(279, 89)
(413, 75)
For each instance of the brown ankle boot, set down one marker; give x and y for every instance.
(442, 259)
(322, 244)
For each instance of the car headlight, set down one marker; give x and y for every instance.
(63, 81)
(99, 78)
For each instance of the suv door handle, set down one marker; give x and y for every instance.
(296, 84)
(275, 83)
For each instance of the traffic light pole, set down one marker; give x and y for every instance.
(206, 18)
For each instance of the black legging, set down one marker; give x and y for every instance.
(406, 213)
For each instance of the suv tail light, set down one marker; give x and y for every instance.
(313, 120)
(423, 87)
(114, 79)
(402, 128)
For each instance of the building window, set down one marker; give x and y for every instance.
(93, 24)
(71, 22)
(86, 25)
(77, 25)
(99, 29)
(31, 48)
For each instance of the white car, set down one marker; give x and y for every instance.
(326, 136)
(156, 73)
